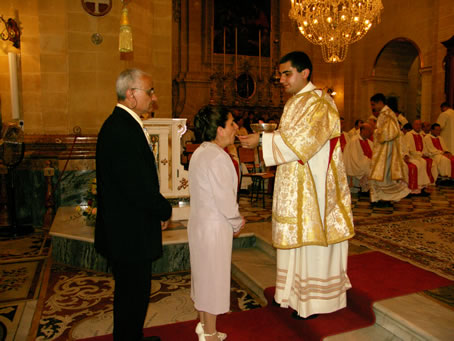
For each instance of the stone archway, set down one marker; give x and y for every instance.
(398, 72)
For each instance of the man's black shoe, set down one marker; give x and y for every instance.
(297, 317)
(382, 204)
(445, 183)
(424, 193)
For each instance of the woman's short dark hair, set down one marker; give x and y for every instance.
(207, 121)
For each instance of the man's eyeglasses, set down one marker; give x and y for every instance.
(149, 92)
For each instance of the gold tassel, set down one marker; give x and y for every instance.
(125, 39)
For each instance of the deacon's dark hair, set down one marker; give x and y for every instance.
(378, 98)
(407, 126)
(444, 104)
(299, 60)
(207, 121)
(433, 126)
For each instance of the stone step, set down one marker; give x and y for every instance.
(255, 269)
(265, 247)
(410, 317)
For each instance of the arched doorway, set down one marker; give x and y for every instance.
(397, 75)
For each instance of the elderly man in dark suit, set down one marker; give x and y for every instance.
(131, 210)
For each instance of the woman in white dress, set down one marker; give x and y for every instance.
(214, 218)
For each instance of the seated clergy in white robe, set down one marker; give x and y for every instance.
(357, 158)
(446, 122)
(355, 130)
(426, 128)
(438, 151)
(416, 177)
(345, 137)
(418, 151)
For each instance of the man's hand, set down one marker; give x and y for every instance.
(249, 141)
(164, 224)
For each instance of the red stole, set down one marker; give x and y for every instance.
(367, 151)
(412, 176)
(437, 144)
(418, 142)
(429, 168)
(332, 144)
(343, 141)
(419, 147)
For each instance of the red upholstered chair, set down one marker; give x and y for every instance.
(190, 148)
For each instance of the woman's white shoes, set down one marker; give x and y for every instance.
(199, 329)
(201, 333)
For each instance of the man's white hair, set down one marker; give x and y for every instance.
(127, 80)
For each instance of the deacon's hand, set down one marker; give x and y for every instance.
(249, 141)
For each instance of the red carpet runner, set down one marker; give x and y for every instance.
(374, 276)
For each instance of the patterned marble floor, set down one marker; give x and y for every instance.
(23, 314)
(440, 197)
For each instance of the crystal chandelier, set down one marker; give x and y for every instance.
(334, 24)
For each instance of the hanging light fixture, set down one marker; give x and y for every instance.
(334, 24)
(125, 39)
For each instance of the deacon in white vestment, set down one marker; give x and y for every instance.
(437, 150)
(418, 151)
(387, 169)
(446, 122)
(357, 158)
(312, 218)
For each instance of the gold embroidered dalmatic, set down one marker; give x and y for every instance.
(308, 123)
(387, 135)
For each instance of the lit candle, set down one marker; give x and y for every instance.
(14, 84)
(212, 46)
(260, 54)
(236, 51)
(224, 51)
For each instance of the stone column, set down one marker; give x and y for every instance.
(426, 94)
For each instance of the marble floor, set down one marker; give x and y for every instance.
(426, 319)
